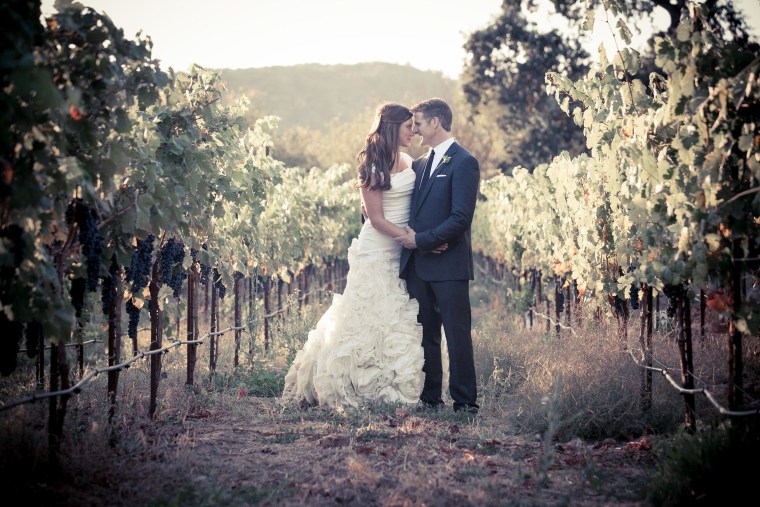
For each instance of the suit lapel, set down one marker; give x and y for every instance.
(420, 173)
(421, 164)
(429, 183)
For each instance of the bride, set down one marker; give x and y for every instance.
(367, 347)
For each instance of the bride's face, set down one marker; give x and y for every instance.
(405, 133)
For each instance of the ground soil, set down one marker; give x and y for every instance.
(249, 451)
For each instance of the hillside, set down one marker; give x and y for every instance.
(313, 95)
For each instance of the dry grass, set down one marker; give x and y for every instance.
(226, 441)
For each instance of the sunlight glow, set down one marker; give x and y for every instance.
(427, 34)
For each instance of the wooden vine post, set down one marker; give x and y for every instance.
(280, 290)
(329, 275)
(267, 310)
(291, 289)
(557, 307)
(687, 359)
(39, 337)
(59, 380)
(238, 320)
(645, 342)
(532, 304)
(114, 336)
(192, 323)
(253, 294)
(213, 342)
(251, 282)
(735, 363)
(156, 337)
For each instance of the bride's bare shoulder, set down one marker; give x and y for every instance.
(407, 159)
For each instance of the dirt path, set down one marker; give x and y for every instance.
(250, 452)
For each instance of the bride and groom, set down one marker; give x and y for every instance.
(409, 273)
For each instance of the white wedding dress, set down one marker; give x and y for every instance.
(367, 347)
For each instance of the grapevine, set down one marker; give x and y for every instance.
(90, 241)
(77, 292)
(171, 255)
(133, 313)
(109, 282)
(138, 273)
(205, 268)
(219, 283)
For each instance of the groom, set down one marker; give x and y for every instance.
(442, 207)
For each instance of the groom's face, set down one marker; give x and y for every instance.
(423, 127)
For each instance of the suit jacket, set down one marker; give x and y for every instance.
(441, 212)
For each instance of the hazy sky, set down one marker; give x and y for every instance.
(427, 34)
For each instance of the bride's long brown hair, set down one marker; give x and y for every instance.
(381, 146)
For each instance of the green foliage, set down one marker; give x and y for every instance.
(90, 118)
(670, 181)
(309, 216)
(66, 91)
(255, 380)
(504, 77)
(720, 15)
(710, 467)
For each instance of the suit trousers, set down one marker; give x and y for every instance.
(447, 304)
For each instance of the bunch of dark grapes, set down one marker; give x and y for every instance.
(89, 238)
(170, 260)
(205, 272)
(133, 313)
(674, 294)
(76, 292)
(205, 268)
(634, 291)
(138, 271)
(219, 284)
(635, 296)
(109, 284)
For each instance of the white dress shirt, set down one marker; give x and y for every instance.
(440, 151)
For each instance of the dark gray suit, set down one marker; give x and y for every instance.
(442, 208)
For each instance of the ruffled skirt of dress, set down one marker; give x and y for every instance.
(367, 347)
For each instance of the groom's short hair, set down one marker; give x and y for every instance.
(436, 108)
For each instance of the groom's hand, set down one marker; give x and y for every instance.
(440, 248)
(407, 240)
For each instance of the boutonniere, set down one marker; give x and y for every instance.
(445, 159)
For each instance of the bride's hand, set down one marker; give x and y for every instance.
(440, 249)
